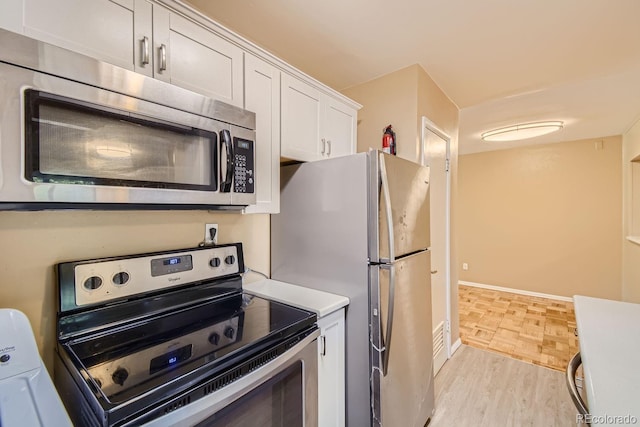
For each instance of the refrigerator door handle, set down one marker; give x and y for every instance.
(386, 338)
(387, 202)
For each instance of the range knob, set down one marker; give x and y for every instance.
(229, 332)
(120, 376)
(93, 282)
(5, 358)
(215, 262)
(230, 259)
(214, 338)
(120, 278)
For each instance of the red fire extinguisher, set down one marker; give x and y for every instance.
(389, 141)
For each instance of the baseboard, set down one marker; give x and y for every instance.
(455, 346)
(515, 291)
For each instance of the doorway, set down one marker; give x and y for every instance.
(435, 153)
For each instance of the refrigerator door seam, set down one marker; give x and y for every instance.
(386, 338)
(387, 202)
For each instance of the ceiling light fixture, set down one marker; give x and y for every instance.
(522, 131)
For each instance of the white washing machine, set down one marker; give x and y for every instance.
(27, 394)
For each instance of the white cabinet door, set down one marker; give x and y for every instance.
(262, 96)
(331, 370)
(301, 111)
(339, 128)
(103, 29)
(196, 58)
(139, 36)
(11, 15)
(314, 126)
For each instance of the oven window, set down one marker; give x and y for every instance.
(71, 142)
(277, 402)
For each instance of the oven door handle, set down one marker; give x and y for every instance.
(205, 407)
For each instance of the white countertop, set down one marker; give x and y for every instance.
(322, 303)
(609, 334)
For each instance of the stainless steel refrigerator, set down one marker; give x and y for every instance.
(358, 226)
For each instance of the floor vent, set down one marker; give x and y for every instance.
(438, 340)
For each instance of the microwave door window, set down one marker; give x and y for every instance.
(76, 144)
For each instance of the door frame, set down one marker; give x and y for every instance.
(428, 124)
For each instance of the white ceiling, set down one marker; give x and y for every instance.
(501, 61)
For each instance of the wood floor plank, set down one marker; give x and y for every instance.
(480, 388)
(532, 329)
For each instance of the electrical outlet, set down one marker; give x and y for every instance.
(207, 234)
(465, 266)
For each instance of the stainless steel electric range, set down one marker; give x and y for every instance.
(170, 338)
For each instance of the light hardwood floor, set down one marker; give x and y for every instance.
(478, 388)
(532, 329)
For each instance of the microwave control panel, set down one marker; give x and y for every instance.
(244, 170)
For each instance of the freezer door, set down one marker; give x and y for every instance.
(399, 203)
(402, 342)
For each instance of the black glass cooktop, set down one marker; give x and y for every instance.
(136, 359)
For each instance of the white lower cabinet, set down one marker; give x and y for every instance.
(331, 370)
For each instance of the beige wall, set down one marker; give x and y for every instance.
(401, 98)
(544, 218)
(33, 242)
(630, 251)
(391, 99)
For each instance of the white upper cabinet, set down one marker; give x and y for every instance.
(301, 112)
(139, 36)
(191, 56)
(68, 24)
(262, 96)
(11, 15)
(339, 128)
(314, 125)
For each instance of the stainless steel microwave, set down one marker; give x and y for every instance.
(79, 133)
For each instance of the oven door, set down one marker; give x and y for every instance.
(283, 392)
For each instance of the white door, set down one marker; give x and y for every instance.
(435, 145)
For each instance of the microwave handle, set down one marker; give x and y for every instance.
(226, 177)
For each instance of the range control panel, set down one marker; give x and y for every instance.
(103, 281)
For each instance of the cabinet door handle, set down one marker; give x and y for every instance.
(144, 50)
(329, 145)
(323, 343)
(163, 57)
(323, 144)
(434, 271)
